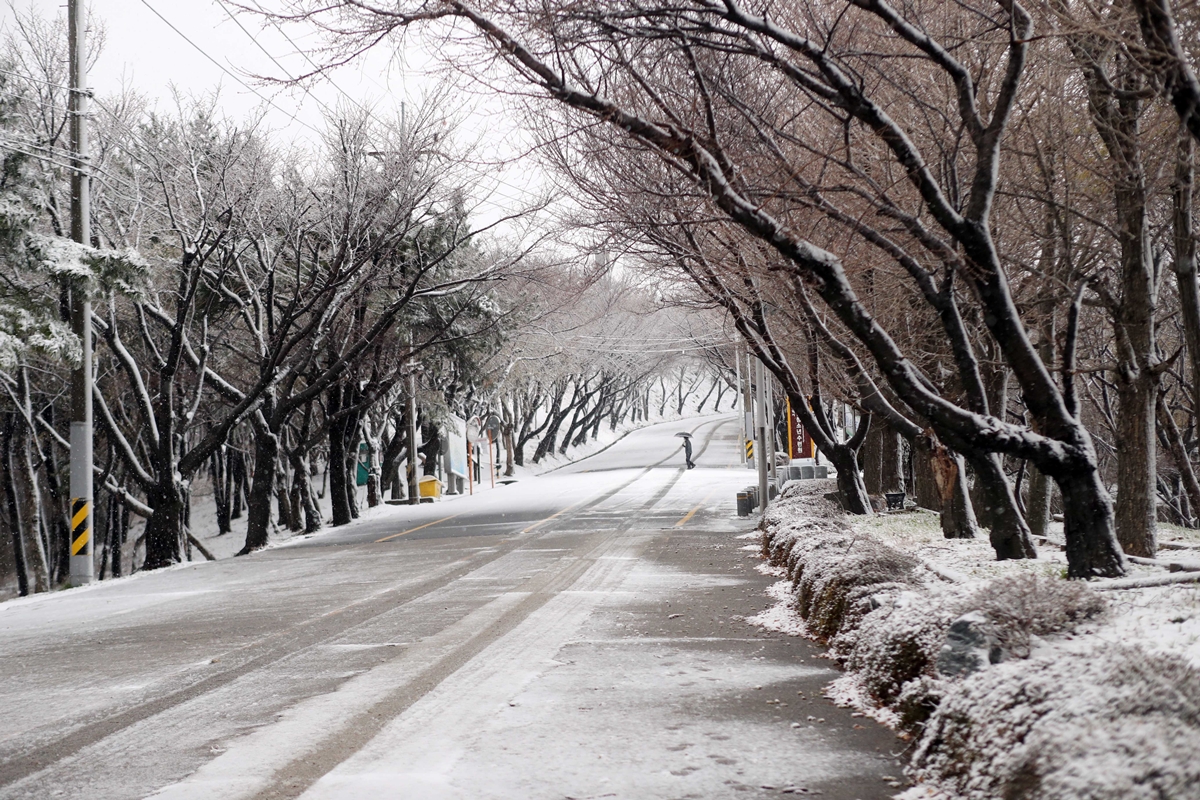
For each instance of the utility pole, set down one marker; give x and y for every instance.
(760, 421)
(769, 388)
(82, 565)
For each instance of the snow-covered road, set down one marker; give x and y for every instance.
(580, 634)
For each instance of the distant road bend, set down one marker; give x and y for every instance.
(577, 635)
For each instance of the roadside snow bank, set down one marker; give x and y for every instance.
(1008, 676)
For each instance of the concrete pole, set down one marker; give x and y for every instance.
(760, 423)
(82, 565)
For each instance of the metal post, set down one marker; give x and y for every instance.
(740, 406)
(791, 444)
(760, 422)
(82, 565)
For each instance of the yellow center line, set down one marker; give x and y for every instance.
(692, 513)
(414, 530)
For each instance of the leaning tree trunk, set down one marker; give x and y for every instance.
(1010, 535)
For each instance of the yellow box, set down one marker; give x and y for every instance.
(430, 486)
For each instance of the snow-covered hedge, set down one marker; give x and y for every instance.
(1038, 721)
(1111, 723)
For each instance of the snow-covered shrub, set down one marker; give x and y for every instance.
(1027, 604)
(899, 641)
(835, 571)
(918, 700)
(1112, 723)
(835, 588)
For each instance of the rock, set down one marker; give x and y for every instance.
(970, 646)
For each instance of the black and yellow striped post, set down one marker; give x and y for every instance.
(750, 450)
(81, 527)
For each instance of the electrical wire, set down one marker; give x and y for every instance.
(223, 68)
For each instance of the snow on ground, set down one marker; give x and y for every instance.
(204, 513)
(1095, 694)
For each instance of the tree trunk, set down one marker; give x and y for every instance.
(14, 505)
(258, 502)
(374, 489)
(947, 472)
(849, 481)
(430, 448)
(40, 565)
(1178, 453)
(871, 457)
(341, 480)
(339, 491)
(882, 457)
(1010, 535)
(1041, 492)
(1092, 548)
(1137, 481)
(302, 481)
(236, 482)
(60, 532)
(219, 473)
(163, 533)
(925, 489)
(289, 514)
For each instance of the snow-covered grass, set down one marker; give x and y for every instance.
(1080, 693)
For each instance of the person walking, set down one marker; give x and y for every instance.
(687, 451)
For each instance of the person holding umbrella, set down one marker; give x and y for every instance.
(687, 448)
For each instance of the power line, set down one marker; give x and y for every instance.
(35, 80)
(223, 68)
(276, 61)
(304, 54)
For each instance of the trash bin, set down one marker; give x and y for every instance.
(430, 486)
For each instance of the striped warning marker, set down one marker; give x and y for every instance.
(749, 449)
(81, 527)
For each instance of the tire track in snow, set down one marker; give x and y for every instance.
(239, 772)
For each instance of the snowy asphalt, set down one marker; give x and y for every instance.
(576, 635)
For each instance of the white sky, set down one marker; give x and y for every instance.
(145, 53)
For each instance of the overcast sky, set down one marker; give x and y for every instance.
(197, 46)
